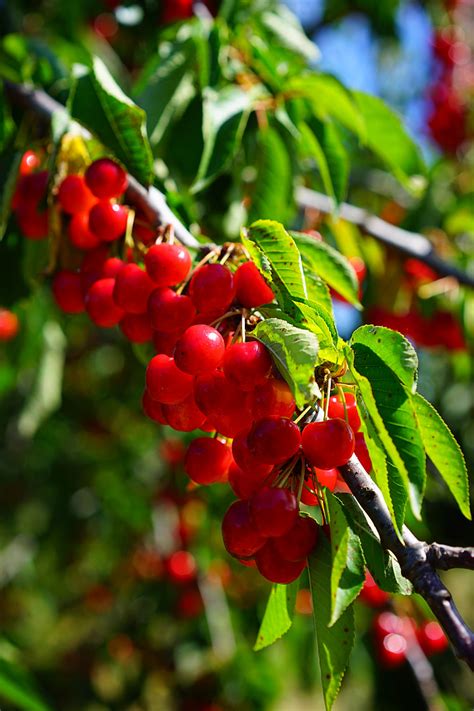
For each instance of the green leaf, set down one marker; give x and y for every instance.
(225, 114)
(348, 573)
(328, 264)
(394, 404)
(288, 31)
(444, 451)
(294, 351)
(387, 138)
(272, 192)
(99, 104)
(334, 643)
(277, 619)
(16, 687)
(321, 142)
(9, 166)
(396, 351)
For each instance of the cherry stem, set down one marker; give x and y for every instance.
(328, 395)
(228, 253)
(222, 318)
(302, 478)
(207, 258)
(342, 396)
(242, 326)
(169, 234)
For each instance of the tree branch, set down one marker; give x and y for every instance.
(415, 559)
(444, 557)
(410, 243)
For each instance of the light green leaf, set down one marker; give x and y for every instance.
(289, 32)
(294, 351)
(99, 104)
(334, 643)
(395, 350)
(16, 687)
(277, 619)
(444, 451)
(328, 264)
(272, 192)
(320, 141)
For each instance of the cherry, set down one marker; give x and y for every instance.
(184, 416)
(431, 638)
(165, 382)
(336, 409)
(371, 594)
(273, 440)
(247, 364)
(274, 511)
(181, 567)
(112, 267)
(241, 538)
(273, 397)
(327, 477)
(387, 623)
(164, 342)
(74, 196)
(276, 569)
(207, 460)
(108, 220)
(143, 233)
(251, 288)
(246, 460)
(309, 497)
(153, 409)
(304, 602)
(67, 292)
(393, 650)
(225, 405)
(362, 452)
(176, 10)
(9, 325)
(30, 161)
(190, 604)
(201, 348)
(297, 543)
(212, 289)
(328, 444)
(137, 328)
(245, 483)
(33, 223)
(80, 234)
(170, 312)
(132, 290)
(100, 304)
(168, 264)
(32, 188)
(106, 179)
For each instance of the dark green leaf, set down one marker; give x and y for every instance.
(16, 687)
(271, 194)
(9, 164)
(320, 141)
(277, 619)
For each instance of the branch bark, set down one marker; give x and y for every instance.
(418, 560)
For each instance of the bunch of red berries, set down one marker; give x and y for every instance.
(394, 636)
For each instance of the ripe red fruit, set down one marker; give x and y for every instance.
(184, 416)
(431, 638)
(30, 161)
(212, 289)
(201, 348)
(165, 382)
(153, 409)
(137, 328)
(74, 196)
(274, 511)
(80, 234)
(9, 325)
(106, 179)
(392, 652)
(362, 452)
(276, 569)
(181, 567)
(32, 188)
(32, 223)
(247, 364)
(327, 477)
(108, 220)
(132, 290)
(207, 460)
(190, 604)
(100, 304)
(225, 405)
(308, 497)
(371, 594)
(164, 342)
(273, 440)
(273, 397)
(245, 459)
(299, 541)
(170, 312)
(168, 264)
(241, 538)
(328, 444)
(336, 409)
(245, 483)
(251, 288)
(175, 10)
(67, 292)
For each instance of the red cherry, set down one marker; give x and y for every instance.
(132, 290)
(153, 409)
(251, 288)
(108, 220)
(225, 405)
(362, 452)
(309, 497)
(201, 348)
(246, 460)
(245, 483)
(176, 10)
(212, 289)
(273, 397)
(74, 196)
(137, 328)
(112, 267)
(100, 304)
(30, 161)
(274, 511)
(9, 325)
(184, 416)
(164, 342)
(165, 382)
(143, 233)
(67, 292)
(336, 409)
(207, 460)
(247, 364)
(106, 179)
(190, 604)
(168, 264)
(297, 543)
(432, 638)
(80, 234)
(32, 223)
(32, 188)
(327, 477)
(328, 444)
(170, 312)
(371, 594)
(276, 569)
(181, 567)
(241, 538)
(387, 623)
(273, 440)
(392, 651)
